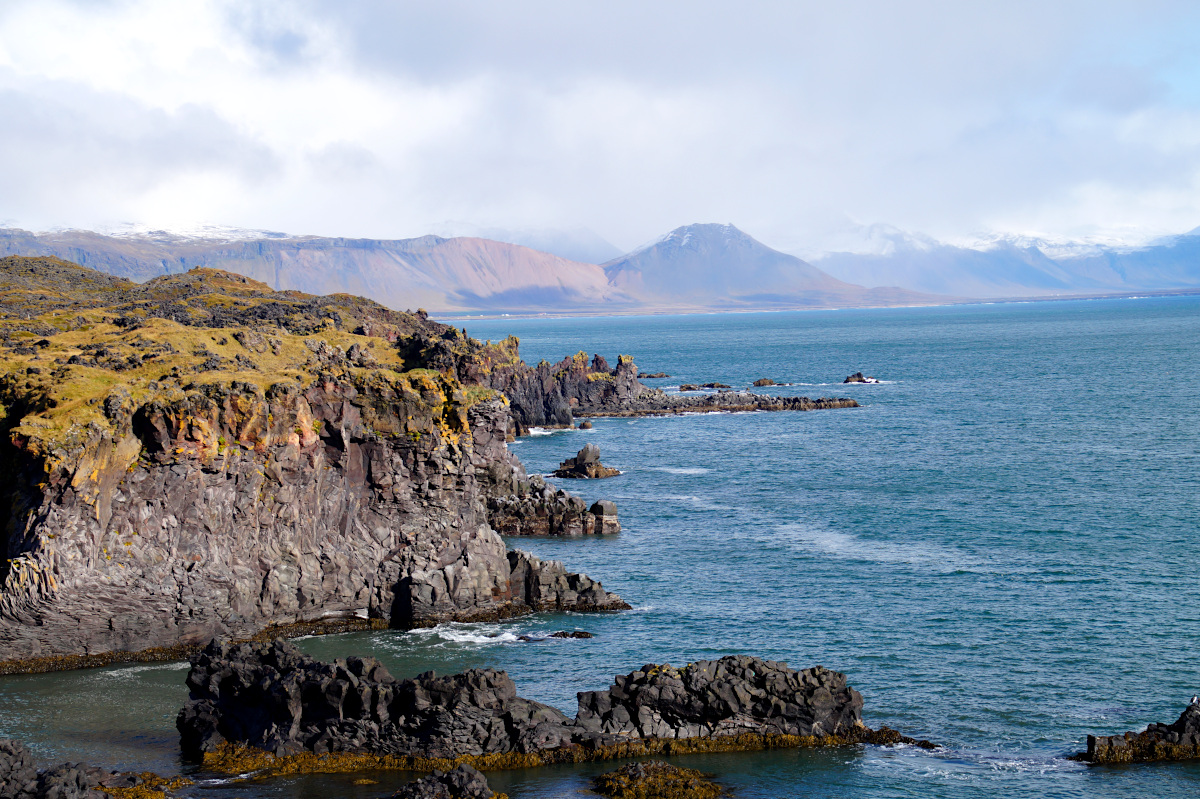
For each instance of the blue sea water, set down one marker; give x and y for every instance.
(999, 548)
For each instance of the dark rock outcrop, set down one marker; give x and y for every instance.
(858, 377)
(21, 779)
(653, 375)
(730, 696)
(719, 402)
(278, 699)
(463, 782)
(275, 698)
(764, 381)
(537, 508)
(656, 780)
(1177, 741)
(585, 465)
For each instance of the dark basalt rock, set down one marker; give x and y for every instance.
(585, 465)
(764, 381)
(653, 375)
(463, 782)
(662, 404)
(1177, 741)
(280, 700)
(571, 634)
(656, 780)
(20, 779)
(276, 698)
(730, 696)
(688, 387)
(537, 508)
(585, 425)
(858, 377)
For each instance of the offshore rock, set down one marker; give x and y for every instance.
(1177, 741)
(656, 780)
(21, 779)
(585, 465)
(277, 699)
(730, 696)
(858, 377)
(658, 403)
(537, 508)
(463, 782)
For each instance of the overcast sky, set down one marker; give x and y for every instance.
(789, 119)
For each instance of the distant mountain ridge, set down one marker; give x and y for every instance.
(1014, 266)
(721, 267)
(696, 267)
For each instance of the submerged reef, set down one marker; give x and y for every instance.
(273, 709)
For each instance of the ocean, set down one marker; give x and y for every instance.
(999, 548)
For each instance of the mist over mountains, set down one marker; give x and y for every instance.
(699, 267)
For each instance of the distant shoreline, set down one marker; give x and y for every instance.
(1119, 295)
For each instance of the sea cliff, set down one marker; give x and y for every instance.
(200, 456)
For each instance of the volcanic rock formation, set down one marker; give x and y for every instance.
(278, 700)
(201, 456)
(585, 465)
(1177, 741)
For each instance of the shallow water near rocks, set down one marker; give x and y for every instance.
(999, 548)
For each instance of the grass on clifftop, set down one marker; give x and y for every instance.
(71, 337)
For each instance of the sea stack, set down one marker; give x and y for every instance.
(585, 465)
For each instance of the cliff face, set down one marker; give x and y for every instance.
(169, 482)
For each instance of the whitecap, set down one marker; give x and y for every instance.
(685, 470)
(464, 633)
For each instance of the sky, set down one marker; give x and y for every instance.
(796, 121)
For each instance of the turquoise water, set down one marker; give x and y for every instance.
(999, 548)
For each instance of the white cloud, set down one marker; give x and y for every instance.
(378, 119)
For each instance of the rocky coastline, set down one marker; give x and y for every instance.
(201, 456)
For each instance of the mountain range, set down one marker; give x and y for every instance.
(699, 267)
(1014, 266)
(693, 268)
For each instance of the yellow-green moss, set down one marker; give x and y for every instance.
(232, 759)
(152, 787)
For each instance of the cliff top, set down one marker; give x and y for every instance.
(70, 337)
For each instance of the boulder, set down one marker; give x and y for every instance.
(585, 465)
(764, 381)
(463, 782)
